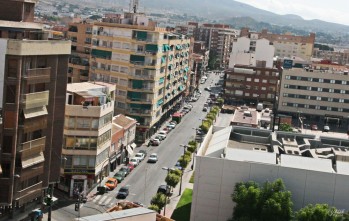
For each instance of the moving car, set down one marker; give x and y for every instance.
(140, 156)
(326, 128)
(134, 161)
(123, 192)
(111, 183)
(125, 170)
(153, 158)
(119, 176)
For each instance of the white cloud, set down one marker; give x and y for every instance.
(332, 11)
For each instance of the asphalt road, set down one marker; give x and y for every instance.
(145, 179)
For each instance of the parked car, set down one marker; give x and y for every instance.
(164, 189)
(204, 109)
(123, 192)
(326, 128)
(134, 161)
(153, 158)
(143, 152)
(159, 137)
(314, 127)
(207, 89)
(111, 183)
(162, 136)
(155, 142)
(125, 170)
(140, 156)
(167, 129)
(171, 126)
(178, 166)
(130, 166)
(119, 176)
(199, 132)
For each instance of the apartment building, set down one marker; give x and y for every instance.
(123, 138)
(187, 29)
(149, 65)
(288, 44)
(319, 93)
(218, 39)
(252, 51)
(87, 134)
(33, 77)
(313, 168)
(79, 62)
(251, 84)
(340, 57)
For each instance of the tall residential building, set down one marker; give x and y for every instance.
(251, 84)
(33, 77)
(288, 44)
(319, 92)
(79, 62)
(252, 51)
(218, 39)
(340, 57)
(149, 65)
(87, 134)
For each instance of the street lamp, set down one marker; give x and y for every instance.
(168, 172)
(180, 187)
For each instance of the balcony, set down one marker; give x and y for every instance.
(29, 193)
(38, 74)
(33, 100)
(89, 111)
(33, 147)
(139, 112)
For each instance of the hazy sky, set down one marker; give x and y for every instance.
(327, 10)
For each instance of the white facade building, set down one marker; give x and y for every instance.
(305, 164)
(251, 51)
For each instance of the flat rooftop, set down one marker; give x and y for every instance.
(85, 86)
(245, 118)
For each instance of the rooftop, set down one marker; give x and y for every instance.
(120, 214)
(86, 86)
(245, 117)
(123, 121)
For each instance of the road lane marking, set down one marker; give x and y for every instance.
(107, 201)
(97, 198)
(102, 199)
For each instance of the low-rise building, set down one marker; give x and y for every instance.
(87, 134)
(313, 168)
(318, 92)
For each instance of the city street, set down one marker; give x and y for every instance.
(145, 179)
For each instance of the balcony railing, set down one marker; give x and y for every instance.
(37, 145)
(139, 111)
(37, 99)
(37, 73)
(30, 192)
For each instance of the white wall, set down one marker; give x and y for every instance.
(3, 50)
(265, 52)
(215, 180)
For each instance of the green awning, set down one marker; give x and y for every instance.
(178, 47)
(141, 35)
(140, 106)
(101, 54)
(160, 101)
(170, 67)
(171, 57)
(185, 77)
(165, 47)
(137, 58)
(135, 96)
(168, 86)
(169, 77)
(182, 54)
(161, 80)
(174, 91)
(137, 84)
(181, 88)
(177, 55)
(151, 48)
(186, 69)
(163, 59)
(181, 71)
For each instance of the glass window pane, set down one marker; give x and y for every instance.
(91, 162)
(70, 142)
(83, 160)
(94, 123)
(76, 160)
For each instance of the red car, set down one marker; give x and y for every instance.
(130, 166)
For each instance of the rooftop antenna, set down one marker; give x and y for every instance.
(134, 5)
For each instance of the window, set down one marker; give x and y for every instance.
(310, 79)
(299, 78)
(247, 94)
(264, 88)
(285, 95)
(331, 90)
(306, 106)
(256, 80)
(295, 105)
(330, 99)
(319, 89)
(342, 92)
(83, 123)
(317, 107)
(121, 105)
(344, 82)
(264, 81)
(286, 86)
(248, 79)
(329, 108)
(332, 81)
(122, 93)
(341, 100)
(284, 104)
(318, 98)
(340, 109)
(321, 80)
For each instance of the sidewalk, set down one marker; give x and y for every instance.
(174, 199)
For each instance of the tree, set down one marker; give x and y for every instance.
(183, 161)
(270, 202)
(154, 207)
(220, 101)
(319, 212)
(285, 127)
(177, 172)
(172, 180)
(159, 200)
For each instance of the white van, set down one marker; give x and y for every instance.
(259, 107)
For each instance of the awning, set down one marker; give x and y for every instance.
(151, 48)
(129, 150)
(163, 59)
(35, 112)
(178, 47)
(133, 145)
(33, 160)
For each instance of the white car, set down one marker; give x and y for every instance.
(134, 161)
(153, 158)
(172, 126)
(141, 156)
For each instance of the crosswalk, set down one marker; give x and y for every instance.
(104, 200)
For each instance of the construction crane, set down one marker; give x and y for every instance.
(134, 5)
